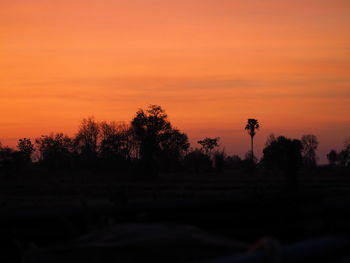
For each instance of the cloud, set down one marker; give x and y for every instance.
(111, 89)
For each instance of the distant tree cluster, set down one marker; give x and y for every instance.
(341, 158)
(150, 144)
(285, 155)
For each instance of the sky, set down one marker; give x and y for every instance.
(211, 64)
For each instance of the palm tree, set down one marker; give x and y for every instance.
(251, 126)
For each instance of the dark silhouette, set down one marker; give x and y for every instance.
(26, 149)
(149, 144)
(270, 139)
(209, 144)
(149, 128)
(249, 163)
(344, 155)
(115, 148)
(7, 161)
(86, 141)
(197, 161)
(156, 139)
(342, 158)
(56, 150)
(219, 158)
(233, 162)
(89, 187)
(285, 155)
(173, 147)
(310, 144)
(332, 157)
(251, 126)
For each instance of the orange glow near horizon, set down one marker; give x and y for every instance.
(210, 64)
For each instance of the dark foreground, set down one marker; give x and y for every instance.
(176, 218)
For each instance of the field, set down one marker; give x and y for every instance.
(55, 208)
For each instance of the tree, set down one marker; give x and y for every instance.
(233, 162)
(270, 139)
(55, 150)
(86, 140)
(149, 128)
(310, 144)
(219, 158)
(209, 144)
(332, 157)
(251, 127)
(249, 158)
(342, 158)
(175, 141)
(285, 155)
(173, 147)
(347, 144)
(25, 148)
(113, 138)
(114, 143)
(8, 164)
(346, 153)
(197, 161)
(158, 143)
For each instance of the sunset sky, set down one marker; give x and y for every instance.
(211, 64)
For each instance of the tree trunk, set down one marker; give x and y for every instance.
(252, 148)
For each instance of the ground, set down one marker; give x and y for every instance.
(57, 207)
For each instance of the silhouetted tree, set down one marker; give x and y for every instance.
(197, 161)
(114, 144)
(209, 144)
(347, 143)
(8, 163)
(251, 126)
(332, 157)
(270, 139)
(233, 162)
(285, 154)
(26, 149)
(347, 151)
(149, 128)
(219, 158)
(55, 150)
(310, 144)
(250, 159)
(131, 145)
(249, 162)
(86, 141)
(173, 146)
(344, 158)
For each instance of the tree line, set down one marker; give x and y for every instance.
(150, 144)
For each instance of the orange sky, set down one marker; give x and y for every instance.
(210, 63)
